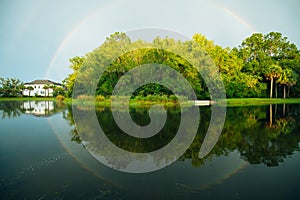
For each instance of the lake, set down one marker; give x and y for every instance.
(44, 156)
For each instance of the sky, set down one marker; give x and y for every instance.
(38, 37)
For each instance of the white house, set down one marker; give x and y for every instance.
(40, 88)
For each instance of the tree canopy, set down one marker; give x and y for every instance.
(10, 87)
(260, 66)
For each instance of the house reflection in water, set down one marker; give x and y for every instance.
(39, 108)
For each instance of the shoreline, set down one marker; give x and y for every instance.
(168, 103)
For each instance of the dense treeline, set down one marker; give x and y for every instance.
(262, 66)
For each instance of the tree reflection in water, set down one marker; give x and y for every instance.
(261, 134)
(11, 109)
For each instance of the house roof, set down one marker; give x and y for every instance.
(42, 82)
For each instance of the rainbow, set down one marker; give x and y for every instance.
(74, 30)
(238, 18)
(82, 22)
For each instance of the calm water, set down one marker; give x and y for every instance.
(42, 156)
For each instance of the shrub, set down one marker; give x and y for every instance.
(163, 98)
(138, 98)
(85, 98)
(173, 97)
(99, 98)
(150, 97)
(59, 91)
(60, 98)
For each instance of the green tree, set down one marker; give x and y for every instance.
(59, 91)
(76, 64)
(237, 83)
(51, 87)
(119, 44)
(29, 88)
(287, 78)
(272, 73)
(267, 55)
(10, 87)
(250, 70)
(46, 88)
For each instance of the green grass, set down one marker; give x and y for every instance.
(132, 103)
(144, 102)
(26, 98)
(257, 101)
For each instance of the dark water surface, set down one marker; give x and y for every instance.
(42, 156)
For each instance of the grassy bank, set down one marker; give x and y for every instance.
(148, 101)
(121, 101)
(257, 101)
(27, 99)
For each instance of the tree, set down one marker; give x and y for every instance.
(237, 83)
(116, 53)
(59, 91)
(288, 78)
(272, 73)
(46, 88)
(30, 88)
(51, 87)
(10, 87)
(267, 55)
(251, 70)
(76, 64)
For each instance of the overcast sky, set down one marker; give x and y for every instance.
(37, 37)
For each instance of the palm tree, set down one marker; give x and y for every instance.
(287, 78)
(30, 88)
(46, 87)
(272, 73)
(53, 88)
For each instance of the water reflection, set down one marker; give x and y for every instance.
(261, 135)
(10, 109)
(38, 108)
(14, 109)
(252, 136)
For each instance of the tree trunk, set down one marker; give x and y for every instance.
(284, 91)
(271, 89)
(276, 94)
(288, 92)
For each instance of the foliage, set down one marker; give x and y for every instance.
(267, 57)
(29, 88)
(261, 65)
(60, 98)
(76, 63)
(59, 91)
(99, 98)
(10, 87)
